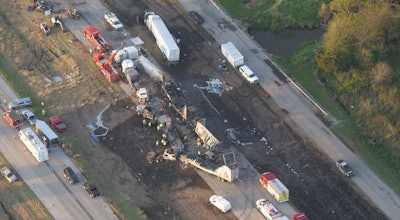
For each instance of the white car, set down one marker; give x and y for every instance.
(113, 21)
(6, 172)
(30, 116)
(248, 74)
(221, 203)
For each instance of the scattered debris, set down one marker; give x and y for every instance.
(98, 125)
(213, 86)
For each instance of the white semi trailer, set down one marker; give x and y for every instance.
(165, 41)
(33, 144)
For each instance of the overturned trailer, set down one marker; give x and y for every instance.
(227, 172)
(151, 69)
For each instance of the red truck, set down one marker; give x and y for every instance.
(106, 67)
(13, 118)
(298, 216)
(97, 40)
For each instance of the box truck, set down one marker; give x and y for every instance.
(275, 187)
(232, 54)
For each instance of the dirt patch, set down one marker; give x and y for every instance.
(118, 163)
(313, 182)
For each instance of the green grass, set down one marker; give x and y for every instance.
(274, 14)
(124, 207)
(127, 209)
(17, 199)
(303, 69)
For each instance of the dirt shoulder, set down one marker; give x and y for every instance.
(118, 163)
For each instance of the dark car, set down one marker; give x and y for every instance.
(91, 189)
(70, 176)
(345, 168)
(196, 17)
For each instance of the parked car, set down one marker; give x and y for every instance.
(196, 17)
(345, 168)
(70, 176)
(91, 189)
(20, 103)
(30, 116)
(221, 203)
(58, 124)
(8, 174)
(248, 74)
(45, 28)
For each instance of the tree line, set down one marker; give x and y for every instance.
(359, 55)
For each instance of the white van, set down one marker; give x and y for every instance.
(248, 74)
(20, 103)
(221, 203)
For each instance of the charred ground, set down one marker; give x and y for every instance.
(118, 164)
(308, 173)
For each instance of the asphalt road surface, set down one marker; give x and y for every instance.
(300, 110)
(46, 180)
(242, 200)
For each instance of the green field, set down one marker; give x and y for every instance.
(274, 15)
(280, 14)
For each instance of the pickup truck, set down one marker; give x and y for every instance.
(30, 116)
(267, 209)
(113, 21)
(6, 172)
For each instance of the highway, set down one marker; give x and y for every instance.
(218, 23)
(46, 180)
(71, 202)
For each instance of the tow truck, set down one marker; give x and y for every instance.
(106, 67)
(97, 40)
